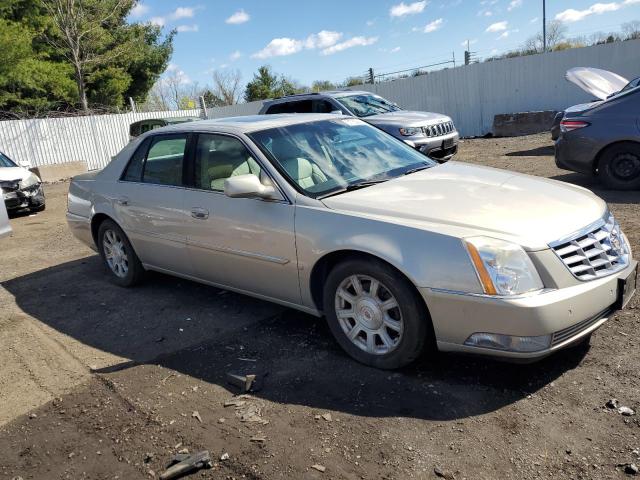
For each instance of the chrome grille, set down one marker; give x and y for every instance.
(596, 251)
(438, 129)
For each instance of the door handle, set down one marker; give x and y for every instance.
(199, 213)
(122, 200)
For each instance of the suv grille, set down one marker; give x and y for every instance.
(439, 129)
(596, 251)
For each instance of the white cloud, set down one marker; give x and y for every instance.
(534, 20)
(497, 27)
(160, 21)
(279, 47)
(514, 4)
(237, 18)
(323, 39)
(394, 50)
(371, 23)
(506, 33)
(235, 55)
(402, 9)
(471, 42)
(187, 28)
(352, 42)
(430, 27)
(571, 15)
(139, 10)
(182, 12)
(175, 72)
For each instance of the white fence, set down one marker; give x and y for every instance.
(91, 139)
(471, 95)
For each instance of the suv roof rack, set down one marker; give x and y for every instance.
(297, 95)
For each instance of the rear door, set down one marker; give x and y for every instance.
(150, 202)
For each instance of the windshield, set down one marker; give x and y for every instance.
(331, 156)
(366, 105)
(6, 161)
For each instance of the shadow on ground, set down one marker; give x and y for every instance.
(545, 151)
(205, 332)
(592, 183)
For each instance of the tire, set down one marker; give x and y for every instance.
(125, 269)
(376, 343)
(619, 166)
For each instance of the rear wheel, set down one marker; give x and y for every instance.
(118, 255)
(375, 314)
(619, 166)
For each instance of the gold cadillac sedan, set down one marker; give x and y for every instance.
(331, 216)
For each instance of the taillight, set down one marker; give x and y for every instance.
(568, 125)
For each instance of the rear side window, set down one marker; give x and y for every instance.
(165, 160)
(133, 173)
(301, 106)
(323, 106)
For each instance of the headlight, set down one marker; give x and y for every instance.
(411, 131)
(503, 268)
(30, 181)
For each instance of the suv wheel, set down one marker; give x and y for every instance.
(375, 314)
(620, 166)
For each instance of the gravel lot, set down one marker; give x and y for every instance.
(102, 382)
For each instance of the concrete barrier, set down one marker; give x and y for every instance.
(525, 123)
(60, 171)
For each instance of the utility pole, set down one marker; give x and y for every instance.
(544, 26)
(371, 76)
(453, 54)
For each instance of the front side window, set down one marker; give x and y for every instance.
(364, 105)
(219, 157)
(330, 156)
(6, 161)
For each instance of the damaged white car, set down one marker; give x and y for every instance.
(20, 188)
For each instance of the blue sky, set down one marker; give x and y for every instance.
(333, 39)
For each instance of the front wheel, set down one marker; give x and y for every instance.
(118, 255)
(375, 314)
(619, 166)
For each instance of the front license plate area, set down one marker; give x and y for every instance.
(448, 143)
(626, 288)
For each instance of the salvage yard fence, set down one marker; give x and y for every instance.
(471, 95)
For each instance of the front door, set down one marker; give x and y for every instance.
(149, 202)
(243, 243)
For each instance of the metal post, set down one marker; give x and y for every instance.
(544, 26)
(203, 107)
(133, 104)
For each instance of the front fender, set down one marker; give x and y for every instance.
(428, 259)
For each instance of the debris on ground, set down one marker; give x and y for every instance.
(224, 456)
(629, 468)
(243, 382)
(197, 416)
(442, 473)
(327, 417)
(258, 439)
(183, 464)
(320, 468)
(626, 411)
(612, 403)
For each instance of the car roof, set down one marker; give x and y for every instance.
(250, 123)
(326, 93)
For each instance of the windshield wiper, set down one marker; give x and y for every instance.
(363, 184)
(417, 169)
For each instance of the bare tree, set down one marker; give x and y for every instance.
(226, 90)
(556, 32)
(631, 29)
(81, 34)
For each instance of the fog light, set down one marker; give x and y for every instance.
(509, 343)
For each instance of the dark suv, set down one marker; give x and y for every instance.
(433, 134)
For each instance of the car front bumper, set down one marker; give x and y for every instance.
(32, 197)
(440, 148)
(567, 314)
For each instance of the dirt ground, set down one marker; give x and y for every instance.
(99, 382)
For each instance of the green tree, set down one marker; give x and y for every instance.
(322, 85)
(266, 84)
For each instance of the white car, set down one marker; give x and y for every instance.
(5, 228)
(20, 188)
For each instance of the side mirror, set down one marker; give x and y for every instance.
(336, 112)
(249, 186)
(25, 164)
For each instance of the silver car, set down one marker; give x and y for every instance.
(331, 216)
(433, 134)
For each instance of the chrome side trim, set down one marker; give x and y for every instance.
(494, 297)
(241, 253)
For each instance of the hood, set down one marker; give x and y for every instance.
(8, 174)
(406, 118)
(597, 82)
(460, 199)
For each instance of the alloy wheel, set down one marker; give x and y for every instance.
(115, 253)
(369, 314)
